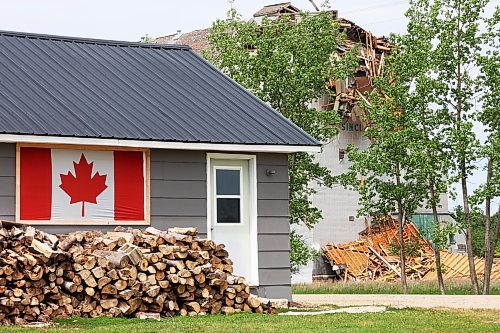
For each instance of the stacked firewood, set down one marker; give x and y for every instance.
(127, 272)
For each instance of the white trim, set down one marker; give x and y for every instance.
(19, 138)
(252, 207)
(226, 196)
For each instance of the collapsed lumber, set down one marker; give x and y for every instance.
(370, 258)
(124, 273)
(348, 96)
(373, 256)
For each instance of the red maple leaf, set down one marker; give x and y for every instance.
(83, 187)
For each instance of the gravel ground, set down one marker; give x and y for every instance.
(402, 301)
(356, 309)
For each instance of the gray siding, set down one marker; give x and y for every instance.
(7, 181)
(179, 198)
(178, 189)
(273, 226)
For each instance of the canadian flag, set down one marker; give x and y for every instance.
(81, 185)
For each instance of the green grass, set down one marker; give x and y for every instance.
(408, 320)
(415, 287)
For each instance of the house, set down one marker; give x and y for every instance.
(339, 206)
(96, 134)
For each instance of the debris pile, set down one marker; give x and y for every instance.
(127, 272)
(375, 256)
(345, 96)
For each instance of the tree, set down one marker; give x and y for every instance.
(301, 253)
(392, 181)
(478, 225)
(432, 81)
(417, 46)
(456, 45)
(490, 118)
(287, 63)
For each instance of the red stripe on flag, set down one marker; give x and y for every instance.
(129, 185)
(35, 183)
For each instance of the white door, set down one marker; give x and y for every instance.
(230, 213)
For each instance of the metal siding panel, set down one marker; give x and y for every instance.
(274, 259)
(7, 181)
(156, 169)
(274, 225)
(184, 171)
(7, 185)
(178, 207)
(272, 159)
(164, 222)
(178, 189)
(8, 205)
(273, 208)
(185, 156)
(284, 291)
(8, 166)
(104, 89)
(178, 171)
(273, 120)
(7, 150)
(274, 242)
(274, 276)
(244, 123)
(201, 117)
(272, 191)
(281, 175)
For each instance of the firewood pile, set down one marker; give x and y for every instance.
(375, 256)
(127, 272)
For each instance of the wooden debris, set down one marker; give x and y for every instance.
(370, 258)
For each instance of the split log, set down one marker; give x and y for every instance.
(127, 272)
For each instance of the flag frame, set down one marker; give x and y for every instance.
(147, 186)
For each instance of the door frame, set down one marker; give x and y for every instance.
(253, 280)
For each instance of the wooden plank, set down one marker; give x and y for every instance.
(384, 261)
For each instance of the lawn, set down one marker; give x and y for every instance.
(415, 287)
(407, 320)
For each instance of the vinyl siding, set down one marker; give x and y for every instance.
(273, 226)
(7, 181)
(179, 198)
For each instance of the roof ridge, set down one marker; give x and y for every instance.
(279, 4)
(96, 41)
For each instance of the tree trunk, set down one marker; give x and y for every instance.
(401, 220)
(462, 161)
(439, 269)
(487, 237)
(490, 256)
(468, 231)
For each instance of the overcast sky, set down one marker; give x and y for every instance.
(131, 19)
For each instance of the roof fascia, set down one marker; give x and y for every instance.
(20, 138)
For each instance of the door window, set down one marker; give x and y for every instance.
(228, 194)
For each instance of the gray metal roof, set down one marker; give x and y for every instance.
(62, 86)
